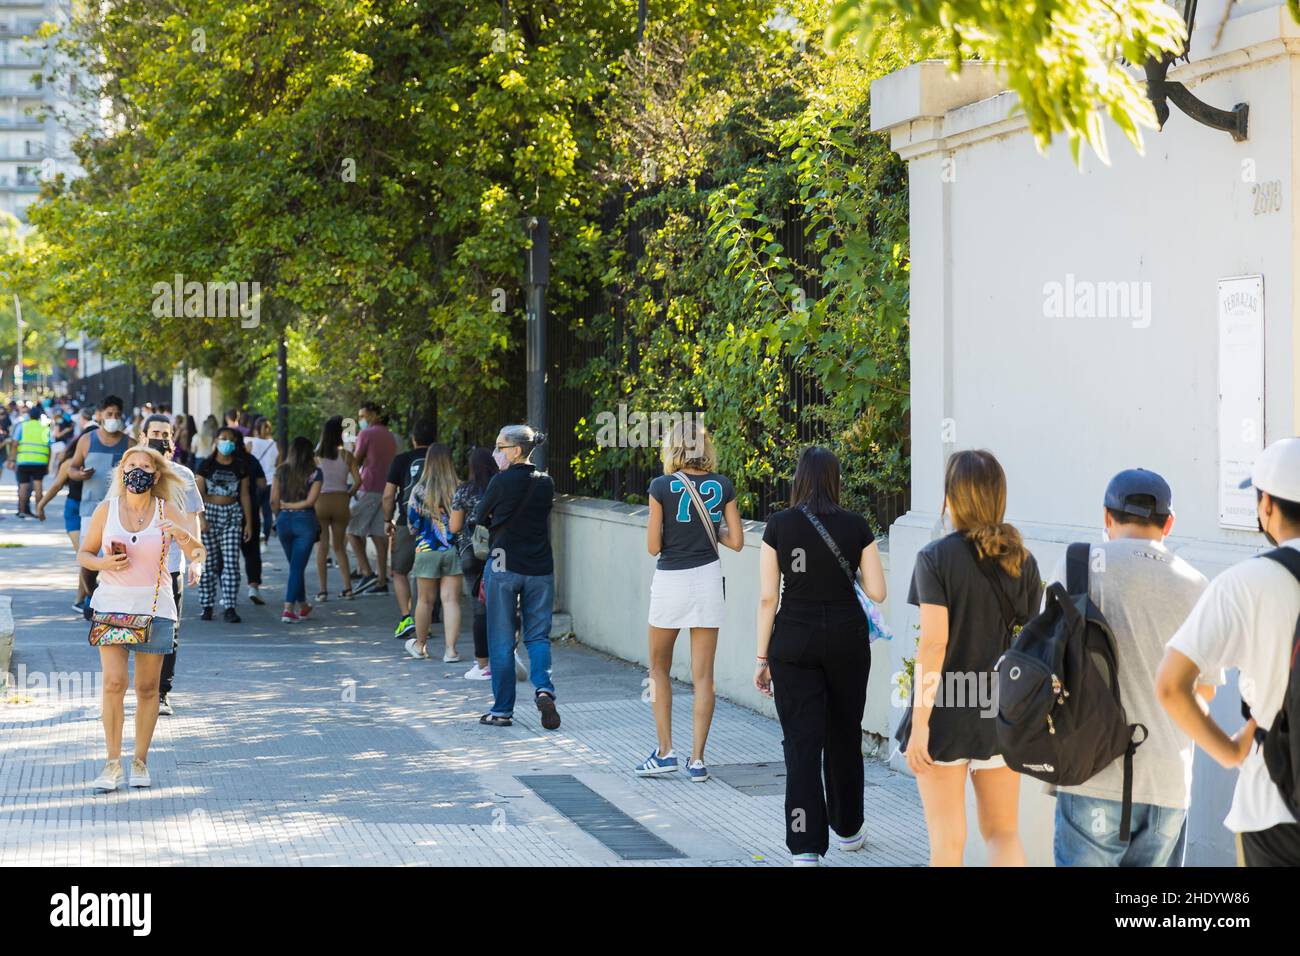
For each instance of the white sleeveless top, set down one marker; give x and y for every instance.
(131, 591)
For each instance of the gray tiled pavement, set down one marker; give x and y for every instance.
(323, 744)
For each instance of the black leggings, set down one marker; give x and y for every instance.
(820, 660)
(480, 615)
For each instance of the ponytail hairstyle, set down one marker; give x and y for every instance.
(975, 492)
(525, 436)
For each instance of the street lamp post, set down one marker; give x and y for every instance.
(1162, 92)
(538, 270)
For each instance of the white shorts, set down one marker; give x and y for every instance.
(688, 598)
(989, 763)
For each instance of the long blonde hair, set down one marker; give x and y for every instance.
(169, 486)
(975, 492)
(432, 494)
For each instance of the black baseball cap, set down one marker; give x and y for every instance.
(1139, 482)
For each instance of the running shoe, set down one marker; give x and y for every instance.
(654, 764)
(288, 617)
(255, 595)
(366, 582)
(110, 779)
(405, 626)
(451, 658)
(807, 859)
(304, 612)
(696, 770)
(478, 673)
(164, 705)
(415, 650)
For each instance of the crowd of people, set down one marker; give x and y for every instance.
(156, 495)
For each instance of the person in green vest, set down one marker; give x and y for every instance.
(29, 450)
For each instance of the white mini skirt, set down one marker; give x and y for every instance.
(688, 598)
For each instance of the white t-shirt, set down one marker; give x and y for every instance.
(1246, 619)
(264, 450)
(191, 503)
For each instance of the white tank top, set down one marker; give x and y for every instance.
(131, 591)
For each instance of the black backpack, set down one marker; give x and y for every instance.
(1060, 717)
(1281, 744)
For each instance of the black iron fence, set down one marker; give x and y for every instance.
(126, 383)
(567, 405)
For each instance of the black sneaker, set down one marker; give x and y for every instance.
(379, 590)
(550, 716)
(206, 615)
(229, 616)
(367, 582)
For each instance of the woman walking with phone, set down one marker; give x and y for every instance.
(814, 653)
(125, 541)
(961, 582)
(689, 503)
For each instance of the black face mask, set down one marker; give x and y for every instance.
(161, 445)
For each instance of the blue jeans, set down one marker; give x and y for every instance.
(297, 533)
(535, 595)
(1087, 833)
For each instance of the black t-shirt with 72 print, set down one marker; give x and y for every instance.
(685, 542)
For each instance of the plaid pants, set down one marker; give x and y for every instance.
(222, 537)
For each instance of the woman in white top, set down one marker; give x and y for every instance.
(262, 446)
(124, 541)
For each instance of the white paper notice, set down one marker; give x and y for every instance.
(1241, 395)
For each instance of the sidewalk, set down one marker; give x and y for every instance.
(322, 743)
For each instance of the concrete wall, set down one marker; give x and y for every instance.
(602, 575)
(1067, 402)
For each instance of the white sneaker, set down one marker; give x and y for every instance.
(110, 779)
(853, 843)
(419, 653)
(139, 774)
(521, 669)
(451, 658)
(478, 673)
(807, 859)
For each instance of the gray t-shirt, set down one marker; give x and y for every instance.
(1145, 593)
(685, 542)
(191, 503)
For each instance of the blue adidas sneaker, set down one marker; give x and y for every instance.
(697, 771)
(654, 764)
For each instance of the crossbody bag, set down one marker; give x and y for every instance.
(110, 628)
(698, 503)
(877, 629)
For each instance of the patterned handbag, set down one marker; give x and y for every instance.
(109, 628)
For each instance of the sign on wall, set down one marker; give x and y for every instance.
(1241, 395)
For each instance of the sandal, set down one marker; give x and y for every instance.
(494, 720)
(322, 597)
(346, 595)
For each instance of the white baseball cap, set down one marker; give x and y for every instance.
(1277, 470)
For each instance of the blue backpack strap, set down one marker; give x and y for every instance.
(1076, 567)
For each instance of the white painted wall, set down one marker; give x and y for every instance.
(602, 578)
(1065, 403)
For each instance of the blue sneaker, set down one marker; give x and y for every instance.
(654, 764)
(697, 771)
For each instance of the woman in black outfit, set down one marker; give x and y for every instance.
(816, 658)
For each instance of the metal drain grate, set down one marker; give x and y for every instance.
(601, 819)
